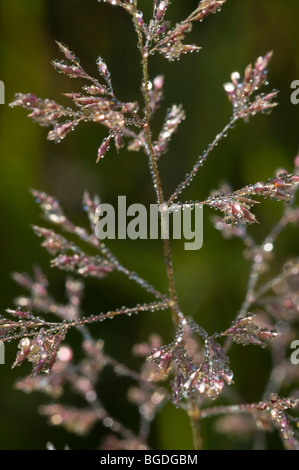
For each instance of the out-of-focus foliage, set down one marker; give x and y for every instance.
(211, 282)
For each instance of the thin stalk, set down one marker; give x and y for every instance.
(66, 325)
(155, 171)
(195, 415)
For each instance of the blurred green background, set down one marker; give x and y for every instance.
(211, 282)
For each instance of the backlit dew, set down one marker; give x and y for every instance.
(139, 16)
(235, 76)
(108, 422)
(229, 87)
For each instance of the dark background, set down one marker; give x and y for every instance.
(211, 282)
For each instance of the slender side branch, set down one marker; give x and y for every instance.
(29, 326)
